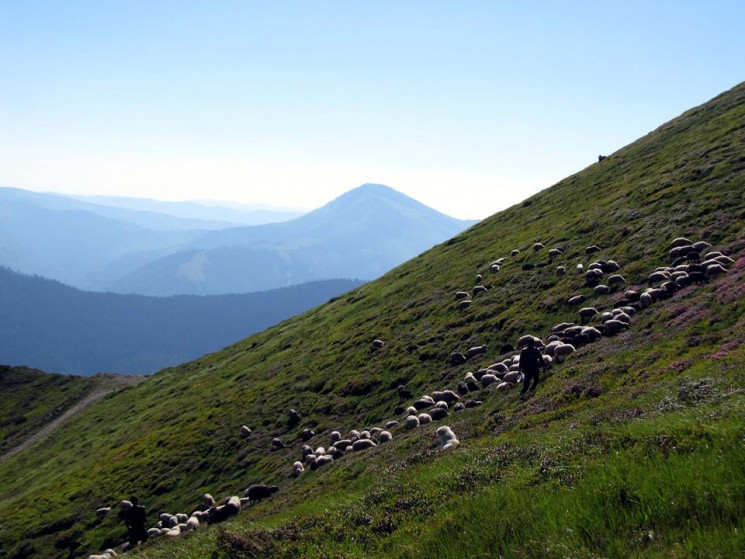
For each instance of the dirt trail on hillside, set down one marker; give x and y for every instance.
(109, 384)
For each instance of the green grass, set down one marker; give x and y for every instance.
(654, 414)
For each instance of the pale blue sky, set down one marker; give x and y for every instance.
(466, 106)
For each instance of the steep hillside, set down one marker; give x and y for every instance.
(52, 326)
(362, 234)
(632, 446)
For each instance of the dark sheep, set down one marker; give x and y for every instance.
(476, 350)
(479, 289)
(464, 304)
(462, 388)
(592, 249)
(378, 343)
(514, 252)
(576, 300)
(404, 393)
(478, 279)
(277, 444)
(307, 434)
(457, 358)
(602, 157)
(438, 413)
(461, 295)
(256, 493)
(473, 403)
(293, 418)
(601, 289)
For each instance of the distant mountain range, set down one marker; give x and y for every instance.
(55, 327)
(362, 234)
(130, 245)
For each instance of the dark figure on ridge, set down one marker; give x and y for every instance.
(135, 519)
(531, 361)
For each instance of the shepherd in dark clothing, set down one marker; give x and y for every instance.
(531, 361)
(135, 518)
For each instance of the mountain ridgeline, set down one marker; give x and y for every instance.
(631, 446)
(51, 326)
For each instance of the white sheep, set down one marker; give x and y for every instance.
(447, 437)
(385, 436)
(411, 422)
(561, 352)
(424, 418)
(192, 524)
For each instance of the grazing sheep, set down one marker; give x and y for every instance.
(538, 246)
(657, 277)
(587, 313)
(611, 266)
(398, 410)
(505, 386)
(181, 517)
(423, 403)
(293, 418)
(449, 396)
(580, 268)
(364, 434)
(363, 444)
(245, 431)
(679, 242)
(512, 377)
(576, 300)
(549, 349)
(494, 268)
(334, 452)
(297, 469)
(478, 279)
(700, 246)
(385, 436)
(553, 253)
(593, 277)
(498, 368)
(335, 436)
(320, 451)
(592, 249)
(233, 505)
(306, 450)
(321, 461)
(277, 444)
(192, 524)
(411, 410)
(476, 350)
(548, 361)
(441, 404)
(447, 437)
(461, 295)
(560, 270)
(514, 252)
(646, 299)
(256, 493)
(562, 351)
(375, 431)
(438, 413)
(715, 269)
(460, 406)
(611, 327)
(464, 304)
(152, 533)
(378, 344)
(404, 393)
(601, 289)
(523, 340)
(424, 418)
(411, 422)
(456, 358)
(479, 289)
(591, 333)
(103, 511)
(616, 279)
(307, 434)
(487, 380)
(125, 505)
(473, 403)
(343, 444)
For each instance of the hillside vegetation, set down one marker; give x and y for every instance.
(632, 447)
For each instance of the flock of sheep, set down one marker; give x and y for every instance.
(688, 266)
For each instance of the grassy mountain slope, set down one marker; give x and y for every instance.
(633, 446)
(56, 327)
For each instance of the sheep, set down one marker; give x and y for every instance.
(449, 396)
(334, 452)
(601, 290)
(277, 443)
(233, 505)
(363, 444)
(473, 403)
(512, 377)
(460, 406)
(411, 410)
(364, 434)
(592, 249)
(447, 437)
(657, 277)
(505, 386)
(245, 431)
(523, 340)
(343, 444)
(320, 451)
(715, 269)
(423, 403)
(576, 300)
(549, 349)
(153, 533)
(487, 380)
(377, 344)
(538, 246)
(307, 434)
(494, 268)
(611, 266)
(175, 532)
(181, 517)
(476, 350)
(591, 333)
(411, 422)
(461, 295)
(321, 461)
(457, 358)
(256, 493)
(385, 436)
(586, 313)
(631, 311)
(404, 393)
(375, 431)
(514, 252)
(293, 418)
(497, 368)
(192, 524)
(611, 327)
(353, 434)
(548, 361)
(464, 304)
(712, 254)
(623, 317)
(580, 268)
(478, 279)
(646, 299)
(593, 277)
(438, 413)
(562, 351)
(553, 253)
(297, 469)
(679, 242)
(560, 270)
(616, 279)
(700, 246)
(479, 289)
(125, 505)
(335, 436)
(103, 511)
(424, 418)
